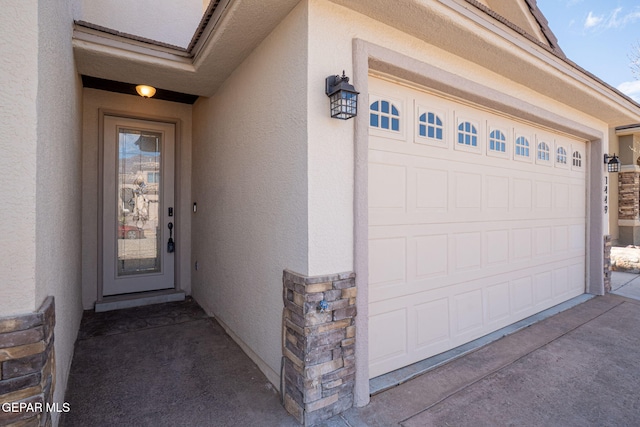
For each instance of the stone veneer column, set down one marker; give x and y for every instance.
(607, 264)
(27, 365)
(629, 205)
(319, 345)
(628, 195)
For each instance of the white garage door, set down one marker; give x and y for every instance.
(476, 221)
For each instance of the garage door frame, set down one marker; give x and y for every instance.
(373, 59)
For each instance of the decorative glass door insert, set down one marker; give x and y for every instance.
(139, 199)
(137, 205)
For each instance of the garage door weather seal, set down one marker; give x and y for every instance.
(402, 375)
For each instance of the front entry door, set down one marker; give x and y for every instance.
(138, 206)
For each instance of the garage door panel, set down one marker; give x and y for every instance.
(431, 190)
(468, 313)
(433, 204)
(521, 292)
(561, 198)
(466, 251)
(560, 239)
(522, 195)
(543, 193)
(390, 339)
(497, 302)
(467, 191)
(466, 240)
(521, 244)
(496, 193)
(389, 182)
(443, 318)
(543, 288)
(560, 281)
(431, 256)
(496, 247)
(577, 237)
(438, 256)
(432, 324)
(542, 241)
(578, 199)
(388, 260)
(576, 278)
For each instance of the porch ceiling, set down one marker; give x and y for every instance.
(226, 38)
(236, 27)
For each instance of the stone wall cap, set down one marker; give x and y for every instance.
(310, 280)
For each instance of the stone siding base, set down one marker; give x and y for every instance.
(607, 264)
(319, 345)
(27, 367)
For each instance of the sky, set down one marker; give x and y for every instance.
(598, 35)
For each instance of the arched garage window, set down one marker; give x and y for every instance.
(522, 147)
(577, 159)
(497, 141)
(561, 156)
(543, 151)
(467, 134)
(430, 126)
(384, 115)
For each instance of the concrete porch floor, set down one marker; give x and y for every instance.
(165, 365)
(172, 365)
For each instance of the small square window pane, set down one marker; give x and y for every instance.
(373, 120)
(384, 122)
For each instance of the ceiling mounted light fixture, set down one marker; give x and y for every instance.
(145, 91)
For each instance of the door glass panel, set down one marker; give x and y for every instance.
(138, 196)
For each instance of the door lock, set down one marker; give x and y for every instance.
(171, 246)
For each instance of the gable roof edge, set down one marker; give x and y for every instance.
(553, 46)
(540, 19)
(544, 26)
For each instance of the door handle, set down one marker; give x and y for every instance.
(171, 246)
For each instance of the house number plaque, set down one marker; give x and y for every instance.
(606, 194)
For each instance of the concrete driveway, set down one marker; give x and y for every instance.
(577, 368)
(154, 367)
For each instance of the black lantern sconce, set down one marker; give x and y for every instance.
(612, 162)
(343, 97)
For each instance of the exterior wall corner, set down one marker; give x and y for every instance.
(319, 345)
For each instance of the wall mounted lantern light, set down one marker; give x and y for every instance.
(612, 162)
(343, 97)
(145, 91)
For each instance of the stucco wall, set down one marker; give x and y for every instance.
(168, 21)
(151, 109)
(40, 120)
(58, 201)
(331, 34)
(18, 139)
(249, 180)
